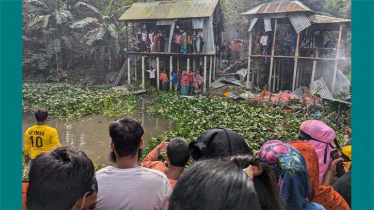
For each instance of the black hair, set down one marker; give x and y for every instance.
(214, 184)
(41, 115)
(58, 179)
(177, 152)
(265, 184)
(126, 134)
(94, 188)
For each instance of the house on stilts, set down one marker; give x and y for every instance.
(156, 31)
(303, 47)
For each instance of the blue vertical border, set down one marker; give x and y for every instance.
(10, 104)
(362, 104)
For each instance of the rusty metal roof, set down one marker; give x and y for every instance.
(319, 19)
(278, 7)
(170, 10)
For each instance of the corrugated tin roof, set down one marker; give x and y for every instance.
(320, 87)
(278, 7)
(318, 19)
(299, 21)
(170, 10)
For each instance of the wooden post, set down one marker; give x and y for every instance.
(279, 74)
(188, 65)
(194, 64)
(178, 63)
(295, 66)
(127, 37)
(210, 70)
(272, 53)
(281, 86)
(214, 67)
(275, 75)
(249, 61)
(158, 72)
(314, 68)
(136, 73)
(143, 74)
(128, 71)
(171, 70)
(337, 61)
(204, 75)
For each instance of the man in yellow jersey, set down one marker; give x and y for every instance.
(40, 138)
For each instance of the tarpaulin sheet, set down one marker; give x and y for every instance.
(253, 22)
(267, 24)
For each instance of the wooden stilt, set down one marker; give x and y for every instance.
(337, 62)
(178, 63)
(214, 67)
(272, 53)
(204, 75)
(188, 65)
(210, 70)
(279, 74)
(194, 64)
(295, 66)
(135, 69)
(275, 75)
(281, 86)
(249, 61)
(158, 72)
(171, 70)
(143, 74)
(128, 71)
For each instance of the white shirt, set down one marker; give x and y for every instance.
(152, 73)
(264, 40)
(132, 189)
(144, 37)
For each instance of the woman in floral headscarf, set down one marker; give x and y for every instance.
(324, 195)
(321, 137)
(289, 168)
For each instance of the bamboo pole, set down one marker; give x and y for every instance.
(143, 74)
(204, 75)
(128, 71)
(295, 66)
(249, 61)
(136, 73)
(158, 72)
(272, 53)
(194, 64)
(279, 75)
(214, 67)
(337, 62)
(188, 65)
(171, 70)
(210, 70)
(275, 74)
(314, 68)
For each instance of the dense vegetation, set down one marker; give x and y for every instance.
(74, 101)
(255, 124)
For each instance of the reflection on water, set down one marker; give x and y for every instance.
(91, 134)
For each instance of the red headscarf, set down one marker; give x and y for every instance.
(324, 195)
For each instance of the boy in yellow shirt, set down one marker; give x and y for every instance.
(40, 138)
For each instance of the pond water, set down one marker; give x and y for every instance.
(91, 134)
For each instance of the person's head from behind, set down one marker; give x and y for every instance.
(214, 184)
(41, 116)
(91, 199)
(217, 143)
(265, 184)
(60, 179)
(177, 152)
(126, 134)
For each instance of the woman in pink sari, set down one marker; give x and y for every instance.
(321, 137)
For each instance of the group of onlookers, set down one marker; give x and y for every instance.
(297, 175)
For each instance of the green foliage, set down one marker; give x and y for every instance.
(74, 101)
(256, 125)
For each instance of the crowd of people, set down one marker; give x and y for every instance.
(285, 44)
(183, 41)
(226, 174)
(184, 82)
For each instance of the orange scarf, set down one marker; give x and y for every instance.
(324, 195)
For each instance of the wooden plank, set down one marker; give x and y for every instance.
(210, 70)
(337, 62)
(204, 75)
(158, 72)
(295, 65)
(128, 71)
(272, 53)
(249, 61)
(169, 54)
(121, 73)
(293, 57)
(143, 74)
